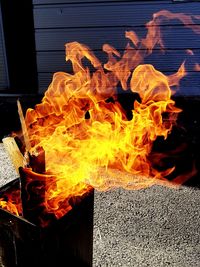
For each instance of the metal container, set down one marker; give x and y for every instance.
(66, 242)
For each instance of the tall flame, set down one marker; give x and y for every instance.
(83, 128)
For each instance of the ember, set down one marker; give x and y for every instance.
(84, 129)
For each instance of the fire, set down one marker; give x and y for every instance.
(197, 67)
(11, 202)
(84, 129)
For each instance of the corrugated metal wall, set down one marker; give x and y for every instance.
(97, 22)
(3, 68)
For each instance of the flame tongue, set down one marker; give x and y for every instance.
(83, 134)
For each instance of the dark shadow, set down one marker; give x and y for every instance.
(182, 147)
(9, 119)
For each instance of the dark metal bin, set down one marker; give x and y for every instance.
(66, 242)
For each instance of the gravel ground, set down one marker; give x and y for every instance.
(155, 227)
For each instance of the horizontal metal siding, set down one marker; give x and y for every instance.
(45, 2)
(104, 15)
(3, 67)
(170, 61)
(175, 37)
(189, 85)
(96, 24)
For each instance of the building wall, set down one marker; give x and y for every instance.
(94, 23)
(4, 83)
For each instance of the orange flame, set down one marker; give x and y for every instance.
(11, 202)
(83, 128)
(197, 67)
(190, 52)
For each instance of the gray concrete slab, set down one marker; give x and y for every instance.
(156, 227)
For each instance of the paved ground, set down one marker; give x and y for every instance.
(154, 227)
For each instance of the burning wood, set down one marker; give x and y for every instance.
(37, 160)
(30, 167)
(33, 183)
(24, 128)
